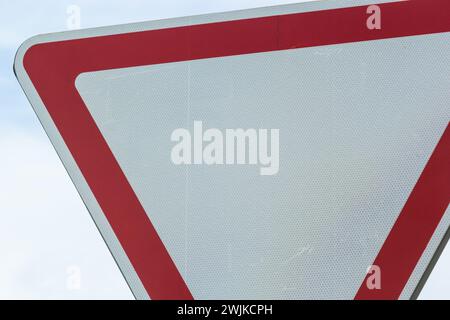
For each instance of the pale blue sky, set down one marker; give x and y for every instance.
(46, 231)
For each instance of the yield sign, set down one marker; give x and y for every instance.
(298, 151)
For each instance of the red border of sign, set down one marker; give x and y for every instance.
(53, 68)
